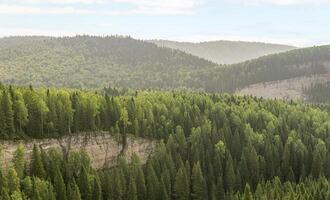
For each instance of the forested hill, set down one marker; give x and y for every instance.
(291, 64)
(93, 62)
(96, 62)
(225, 52)
(211, 146)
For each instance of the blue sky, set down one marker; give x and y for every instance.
(294, 22)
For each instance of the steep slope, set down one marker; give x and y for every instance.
(225, 52)
(102, 148)
(93, 62)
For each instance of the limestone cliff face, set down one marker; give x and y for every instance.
(102, 148)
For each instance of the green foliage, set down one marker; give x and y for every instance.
(211, 147)
(37, 166)
(19, 160)
(197, 182)
(128, 63)
(181, 185)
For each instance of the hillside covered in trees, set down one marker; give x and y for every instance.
(225, 52)
(211, 146)
(95, 62)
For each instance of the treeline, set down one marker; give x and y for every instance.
(217, 142)
(129, 63)
(50, 176)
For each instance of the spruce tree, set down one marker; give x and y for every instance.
(37, 167)
(59, 186)
(197, 187)
(132, 192)
(8, 114)
(19, 161)
(13, 181)
(229, 174)
(181, 187)
(73, 191)
(97, 190)
(84, 185)
(152, 182)
(20, 112)
(247, 193)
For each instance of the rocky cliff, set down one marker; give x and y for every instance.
(102, 148)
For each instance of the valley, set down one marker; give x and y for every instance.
(116, 118)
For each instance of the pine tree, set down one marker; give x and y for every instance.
(37, 167)
(152, 182)
(220, 188)
(84, 185)
(229, 174)
(73, 191)
(197, 187)
(163, 191)
(118, 189)
(13, 181)
(20, 112)
(247, 193)
(181, 187)
(59, 186)
(36, 195)
(97, 190)
(19, 161)
(8, 114)
(3, 182)
(132, 192)
(140, 183)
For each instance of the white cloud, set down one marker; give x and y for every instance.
(54, 1)
(13, 9)
(281, 2)
(32, 32)
(164, 6)
(70, 7)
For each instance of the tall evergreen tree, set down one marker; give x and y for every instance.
(73, 191)
(84, 185)
(197, 182)
(37, 167)
(59, 186)
(132, 192)
(19, 160)
(181, 187)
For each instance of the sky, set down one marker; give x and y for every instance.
(294, 22)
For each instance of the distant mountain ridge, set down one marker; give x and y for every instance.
(225, 52)
(91, 62)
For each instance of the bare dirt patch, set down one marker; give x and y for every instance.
(285, 89)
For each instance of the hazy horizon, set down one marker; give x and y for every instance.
(290, 22)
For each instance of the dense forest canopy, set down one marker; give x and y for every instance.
(126, 62)
(212, 146)
(225, 52)
(93, 62)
